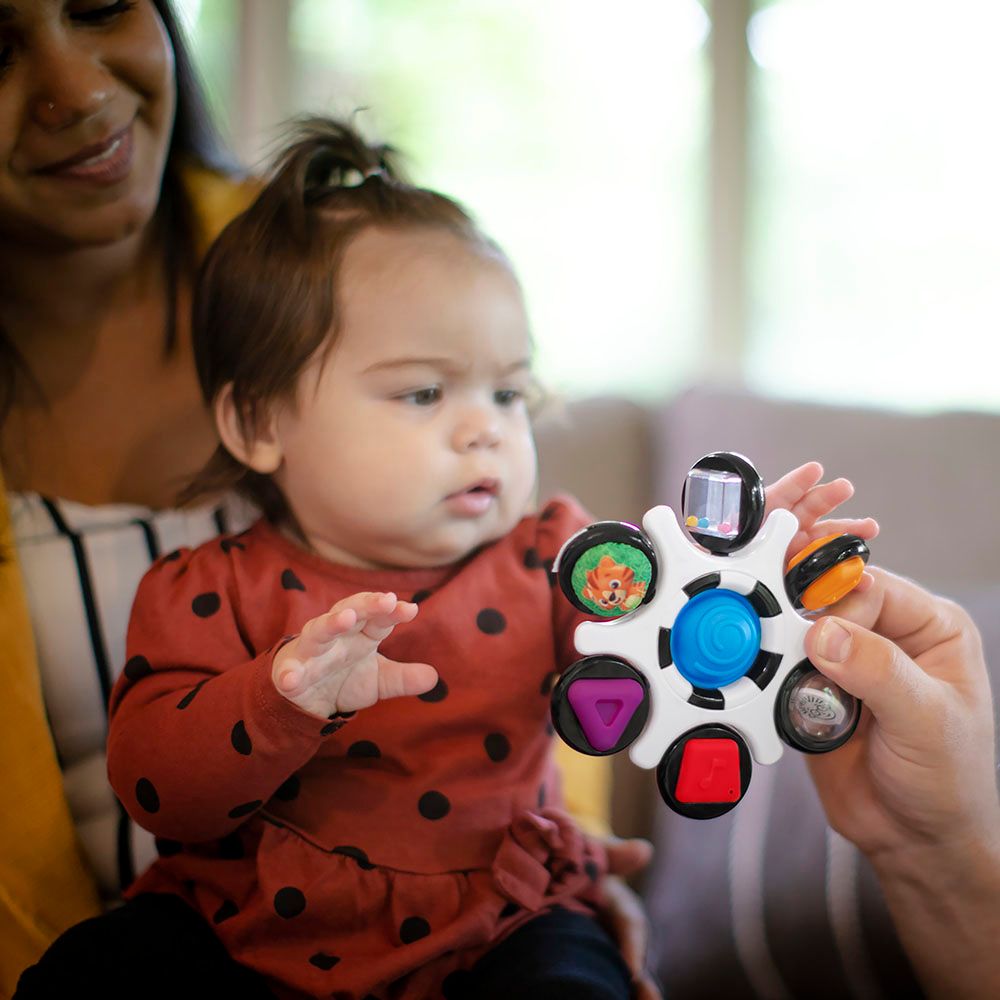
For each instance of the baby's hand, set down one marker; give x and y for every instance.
(801, 492)
(333, 664)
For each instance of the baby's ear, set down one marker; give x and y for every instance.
(252, 440)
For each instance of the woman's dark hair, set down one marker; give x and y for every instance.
(266, 300)
(194, 140)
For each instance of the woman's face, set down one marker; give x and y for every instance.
(86, 113)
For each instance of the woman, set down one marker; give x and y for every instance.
(111, 186)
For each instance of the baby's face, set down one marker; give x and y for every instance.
(411, 444)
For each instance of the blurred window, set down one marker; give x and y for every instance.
(875, 207)
(574, 132)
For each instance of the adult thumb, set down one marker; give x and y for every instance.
(873, 669)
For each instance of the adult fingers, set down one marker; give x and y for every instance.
(900, 695)
(919, 622)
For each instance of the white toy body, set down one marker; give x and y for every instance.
(636, 636)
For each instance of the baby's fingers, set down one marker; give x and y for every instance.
(379, 626)
(820, 500)
(791, 487)
(319, 632)
(397, 680)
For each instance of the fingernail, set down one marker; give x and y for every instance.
(834, 642)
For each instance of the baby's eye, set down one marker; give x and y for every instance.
(427, 396)
(507, 397)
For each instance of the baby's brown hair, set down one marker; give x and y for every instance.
(266, 299)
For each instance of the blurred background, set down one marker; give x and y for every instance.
(796, 196)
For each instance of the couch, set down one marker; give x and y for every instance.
(767, 901)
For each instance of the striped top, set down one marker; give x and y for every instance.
(81, 566)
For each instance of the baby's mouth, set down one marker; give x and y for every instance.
(490, 487)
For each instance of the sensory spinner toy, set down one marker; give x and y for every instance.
(698, 665)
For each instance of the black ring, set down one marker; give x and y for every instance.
(752, 500)
(598, 668)
(797, 741)
(602, 533)
(668, 771)
(805, 573)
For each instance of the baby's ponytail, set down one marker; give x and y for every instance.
(327, 165)
(266, 300)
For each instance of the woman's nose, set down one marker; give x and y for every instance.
(70, 84)
(478, 427)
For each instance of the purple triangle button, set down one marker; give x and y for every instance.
(603, 707)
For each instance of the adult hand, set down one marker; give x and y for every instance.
(915, 788)
(920, 768)
(622, 911)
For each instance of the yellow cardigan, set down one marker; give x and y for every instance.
(45, 886)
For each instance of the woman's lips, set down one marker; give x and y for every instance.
(105, 163)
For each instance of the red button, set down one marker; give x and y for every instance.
(710, 771)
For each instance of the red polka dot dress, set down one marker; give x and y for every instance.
(372, 853)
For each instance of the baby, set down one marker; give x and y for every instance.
(354, 821)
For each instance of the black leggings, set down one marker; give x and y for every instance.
(157, 946)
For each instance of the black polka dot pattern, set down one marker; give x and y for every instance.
(289, 581)
(147, 796)
(168, 848)
(190, 696)
(241, 739)
(231, 848)
(289, 789)
(434, 805)
(548, 513)
(323, 961)
(437, 693)
(245, 809)
(224, 912)
(227, 544)
(490, 621)
(532, 560)
(206, 605)
(331, 727)
(357, 854)
(289, 902)
(364, 748)
(413, 929)
(497, 747)
(420, 595)
(137, 667)
(549, 682)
